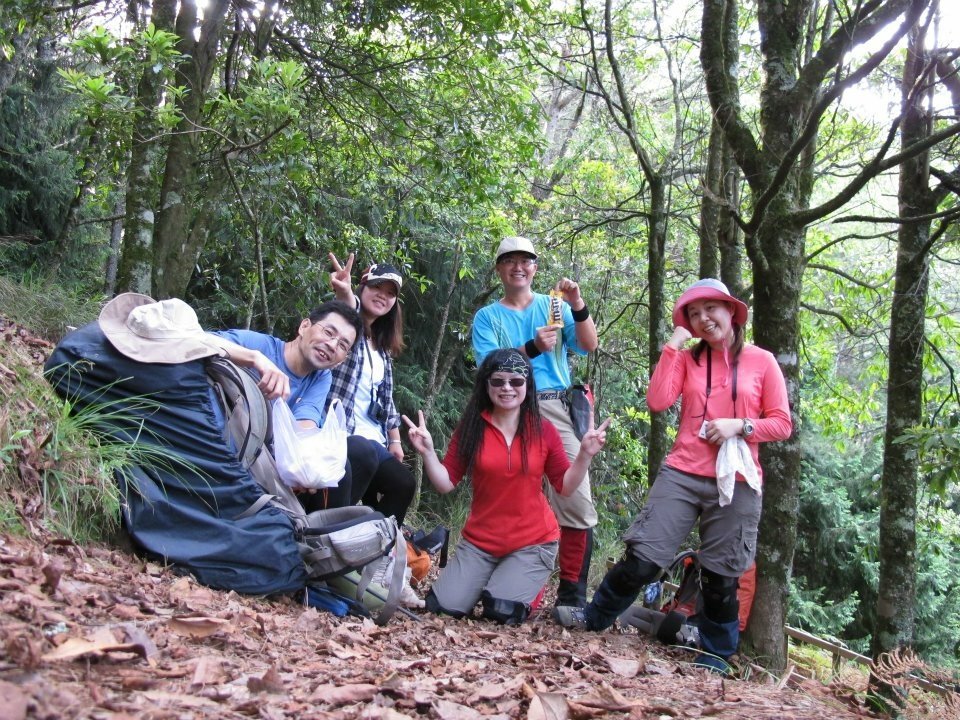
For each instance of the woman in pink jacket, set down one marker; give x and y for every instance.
(731, 392)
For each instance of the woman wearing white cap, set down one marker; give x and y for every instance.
(733, 397)
(364, 384)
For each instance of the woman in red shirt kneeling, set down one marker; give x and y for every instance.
(509, 542)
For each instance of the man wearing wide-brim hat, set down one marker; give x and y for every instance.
(522, 319)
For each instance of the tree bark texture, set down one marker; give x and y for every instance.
(9, 67)
(136, 260)
(776, 303)
(659, 443)
(898, 492)
(728, 234)
(710, 205)
(174, 245)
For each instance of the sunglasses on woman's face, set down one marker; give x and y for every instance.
(500, 382)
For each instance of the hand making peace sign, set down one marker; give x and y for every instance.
(418, 435)
(594, 439)
(340, 279)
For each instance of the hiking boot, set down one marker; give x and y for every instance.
(570, 616)
(571, 593)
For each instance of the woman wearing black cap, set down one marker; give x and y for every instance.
(733, 397)
(364, 384)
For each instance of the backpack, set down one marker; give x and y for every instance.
(349, 542)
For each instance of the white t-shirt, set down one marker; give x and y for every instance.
(371, 376)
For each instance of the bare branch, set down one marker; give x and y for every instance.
(848, 277)
(838, 317)
(911, 220)
(813, 122)
(871, 170)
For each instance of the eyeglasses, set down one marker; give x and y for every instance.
(330, 333)
(500, 382)
(517, 261)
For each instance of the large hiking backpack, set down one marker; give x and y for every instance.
(355, 542)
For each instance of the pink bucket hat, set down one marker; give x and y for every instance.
(707, 289)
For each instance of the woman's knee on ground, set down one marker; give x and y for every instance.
(432, 604)
(506, 612)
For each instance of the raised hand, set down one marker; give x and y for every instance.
(571, 292)
(679, 338)
(594, 439)
(340, 279)
(418, 434)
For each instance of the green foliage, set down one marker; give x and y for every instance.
(36, 164)
(46, 308)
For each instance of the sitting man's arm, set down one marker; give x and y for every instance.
(273, 381)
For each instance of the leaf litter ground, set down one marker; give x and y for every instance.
(95, 632)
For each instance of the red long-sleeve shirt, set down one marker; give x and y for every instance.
(509, 510)
(761, 397)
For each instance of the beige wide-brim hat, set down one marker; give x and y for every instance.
(148, 331)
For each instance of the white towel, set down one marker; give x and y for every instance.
(734, 457)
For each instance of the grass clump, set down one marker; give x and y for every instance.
(46, 308)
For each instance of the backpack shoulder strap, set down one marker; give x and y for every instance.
(249, 425)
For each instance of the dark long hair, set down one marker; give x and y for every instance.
(387, 330)
(739, 335)
(472, 425)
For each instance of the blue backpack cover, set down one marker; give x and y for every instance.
(192, 510)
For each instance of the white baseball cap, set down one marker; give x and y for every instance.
(515, 243)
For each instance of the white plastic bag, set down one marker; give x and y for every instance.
(311, 458)
(734, 457)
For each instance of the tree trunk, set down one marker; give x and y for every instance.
(174, 245)
(728, 234)
(136, 260)
(898, 491)
(776, 301)
(710, 207)
(659, 444)
(110, 267)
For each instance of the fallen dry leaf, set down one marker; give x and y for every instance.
(208, 671)
(165, 699)
(102, 642)
(623, 667)
(375, 712)
(548, 706)
(13, 703)
(269, 682)
(197, 626)
(343, 694)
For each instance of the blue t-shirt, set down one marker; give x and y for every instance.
(497, 326)
(308, 394)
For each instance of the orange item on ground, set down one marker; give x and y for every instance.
(418, 561)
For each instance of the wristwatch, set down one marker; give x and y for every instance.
(747, 427)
